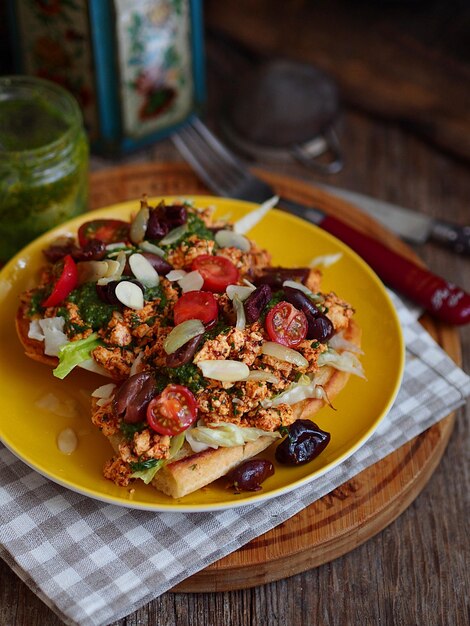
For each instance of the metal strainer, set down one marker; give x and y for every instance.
(281, 110)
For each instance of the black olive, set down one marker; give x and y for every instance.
(321, 329)
(249, 475)
(304, 443)
(275, 276)
(157, 226)
(159, 265)
(93, 250)
(57, 252)
(184, 354)
(107, 292)
(256, 302)
(175, 215)
(133, 397)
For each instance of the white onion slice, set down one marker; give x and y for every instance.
(67, 441)
(191, 282)
(147, 246)
(139, 225)
(263, 376)
(174, 235)
(249, 221)
(130, 295)
(325, 260)
(240, 311)
(54, 336)
(175, 275)
(143, 270)
(105, 391)
(295, 285)
(345, 362)
(247, 282)
(35, 331)
(135, 367)
(181, 334)
(224, 370)
(241, 291)
(230, 239)
(271, 348)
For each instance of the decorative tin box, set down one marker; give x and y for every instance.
(136, 67)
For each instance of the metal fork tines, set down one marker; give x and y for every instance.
(222, 172)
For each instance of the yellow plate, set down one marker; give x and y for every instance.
(30, 431)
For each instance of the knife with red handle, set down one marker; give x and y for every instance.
(440, 298)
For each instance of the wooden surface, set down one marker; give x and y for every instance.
(415, 572)
(356, 510)
(390, 61)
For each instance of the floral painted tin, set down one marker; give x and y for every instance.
(136, 68)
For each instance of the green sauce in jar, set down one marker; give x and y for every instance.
(43, 160)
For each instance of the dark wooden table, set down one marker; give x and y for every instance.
(416, 571)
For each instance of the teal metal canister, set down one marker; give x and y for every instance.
(136, 68)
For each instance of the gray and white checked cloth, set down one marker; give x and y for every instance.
(93, 563)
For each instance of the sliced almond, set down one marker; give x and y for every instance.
(130, 295)
(143, 270)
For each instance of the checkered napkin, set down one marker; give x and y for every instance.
(94, 563)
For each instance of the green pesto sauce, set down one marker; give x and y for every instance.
(156, 293)
(196, 226)
(188, 375)
(38, 190)
(93, 311)
(28, 125)
(129, 430)
(35, 304)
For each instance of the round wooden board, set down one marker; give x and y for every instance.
(364, 505)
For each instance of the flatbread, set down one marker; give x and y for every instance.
(191, 470)
(33, 348)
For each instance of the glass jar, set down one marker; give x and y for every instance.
(43, 160)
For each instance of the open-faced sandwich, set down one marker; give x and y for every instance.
(214, 353)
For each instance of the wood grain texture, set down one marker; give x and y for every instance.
(367, 49)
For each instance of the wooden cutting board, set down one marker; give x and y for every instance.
(364, 505)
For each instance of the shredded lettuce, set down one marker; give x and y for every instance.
(147, 473)
(346, 362)
(303, 389)
(227, 435)
(75, 352)
(146, 470)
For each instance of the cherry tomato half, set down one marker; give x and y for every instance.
(286, 325)
(108, 231)
(196, 305)
(173, 411)
(66, 282)
(217, 271)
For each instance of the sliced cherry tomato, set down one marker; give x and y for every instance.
(217, 271)
(196, 305)
(173, 411)
(108, 231)
(66, 282)
(286, 325)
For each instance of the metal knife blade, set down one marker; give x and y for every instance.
(410, 225)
